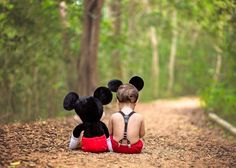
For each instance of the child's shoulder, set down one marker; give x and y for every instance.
(115, 114)
(137, 115)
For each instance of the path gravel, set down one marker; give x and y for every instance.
(177, 135)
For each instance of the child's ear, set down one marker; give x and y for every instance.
(103, 94)
(70, 100)
(137, 82)
(114, 84)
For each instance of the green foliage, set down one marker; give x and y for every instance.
(36, 50)
(32, 76)
(220, 96)
(221, 100)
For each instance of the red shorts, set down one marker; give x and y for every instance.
(134, 148)
(95, 144)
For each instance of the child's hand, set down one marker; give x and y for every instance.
(77, 119)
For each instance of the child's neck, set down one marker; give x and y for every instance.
(126, 109)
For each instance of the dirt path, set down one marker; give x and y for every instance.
(177, 136)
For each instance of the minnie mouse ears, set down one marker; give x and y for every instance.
(137, 81)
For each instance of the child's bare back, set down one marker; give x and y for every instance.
(135, 129)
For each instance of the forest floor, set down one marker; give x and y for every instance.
(177, 135)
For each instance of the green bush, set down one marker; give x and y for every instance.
(220, 100)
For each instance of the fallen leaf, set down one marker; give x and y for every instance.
(15, 163)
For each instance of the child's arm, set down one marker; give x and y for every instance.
(110, 126)
(142, 129)
(75, 137)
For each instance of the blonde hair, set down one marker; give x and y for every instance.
(127, 93)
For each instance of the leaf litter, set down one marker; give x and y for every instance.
(177, 135)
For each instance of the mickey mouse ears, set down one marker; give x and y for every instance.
(137, 81)
(70, 100)
(103, 94)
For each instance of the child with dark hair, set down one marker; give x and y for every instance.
(126, 127)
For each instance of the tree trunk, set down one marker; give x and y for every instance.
(172, 53)
(66, 46)
(132, 34)
(35, 90)
(218, 63)
(222, 123)
(195, 30)
(132, 14)
(155, 62)
(87, 62)
(8, 97)
(116, 13)
(155, 57)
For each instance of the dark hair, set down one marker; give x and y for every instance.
(127, 93)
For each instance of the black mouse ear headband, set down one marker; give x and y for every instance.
(137, 81)
(114, 84)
